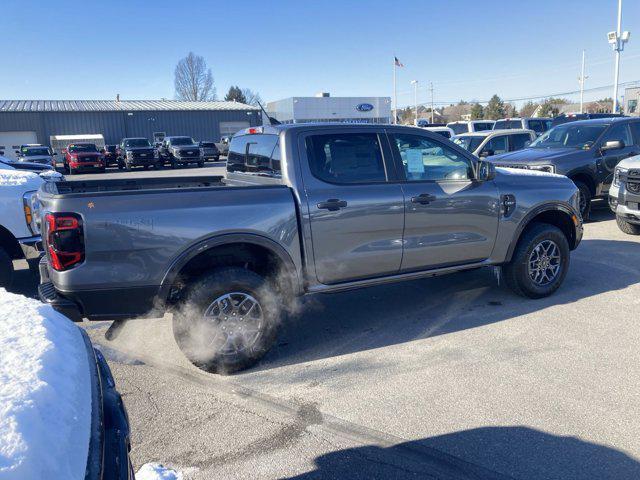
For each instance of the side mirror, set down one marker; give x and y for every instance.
(612, 145)
(486, 171)
(486, 153)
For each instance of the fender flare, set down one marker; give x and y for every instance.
(546, 207)
(226, 239)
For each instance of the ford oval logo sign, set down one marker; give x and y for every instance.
(364, 107)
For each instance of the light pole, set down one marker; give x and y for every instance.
(617, 40)
(431, 88)
(415, 98)
(582, 78)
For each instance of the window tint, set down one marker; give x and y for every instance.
(518, 141)
(444, 133)
(480, 127)
(497, 144)
(259, 153)
(346, 158)
(254, 153)
(619, 131)
(508, 124)
(424, 159)
(635, 128)
(459, 127)
(537, 126)
(237, 154)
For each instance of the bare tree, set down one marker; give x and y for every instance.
(193, 79)
(252, 98)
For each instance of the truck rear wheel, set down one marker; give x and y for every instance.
(627, 227)
(228, 320)
(540, 262)
(6, 269)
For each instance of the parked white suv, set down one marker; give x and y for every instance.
(470, 126)
(537, 124)
(624, 195)
(19, 230)
(494, 142)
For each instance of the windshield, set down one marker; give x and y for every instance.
(469, 142)
(83, 147)
(182, 141)
(137, 142)
(508, 124)
(570, 135)
(33, 151)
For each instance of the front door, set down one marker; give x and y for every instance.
(610, 158)
(356, 214)
(450, 218)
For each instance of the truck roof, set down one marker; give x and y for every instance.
(276, 129)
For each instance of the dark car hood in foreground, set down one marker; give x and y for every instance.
(35, 167)
(42, 159)
(540, 156)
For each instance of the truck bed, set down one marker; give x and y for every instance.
(128, 184)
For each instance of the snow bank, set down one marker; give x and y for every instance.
(155, 471)
(45, 397)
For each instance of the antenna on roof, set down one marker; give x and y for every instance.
(272, 121)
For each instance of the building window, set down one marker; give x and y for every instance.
(632, 106)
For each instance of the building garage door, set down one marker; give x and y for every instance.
(11, 141)
(229, 128)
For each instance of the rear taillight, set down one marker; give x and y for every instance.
(65, 240)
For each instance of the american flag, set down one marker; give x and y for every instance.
(398, 62)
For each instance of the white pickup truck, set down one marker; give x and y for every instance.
(19, 232)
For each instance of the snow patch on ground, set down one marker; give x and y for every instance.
(45, 397)
(156, 471)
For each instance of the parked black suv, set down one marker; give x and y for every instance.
(586, 151)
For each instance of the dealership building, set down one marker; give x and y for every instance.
(325, 108)
(37, 121)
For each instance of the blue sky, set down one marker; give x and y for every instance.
(66, 49)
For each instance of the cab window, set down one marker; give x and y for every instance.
(426, 160)
(619, 131)
(497, 144)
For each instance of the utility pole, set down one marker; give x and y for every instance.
(581, 79)
(431, 89)
(415, 98)
(617, 40)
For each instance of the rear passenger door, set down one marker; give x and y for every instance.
(450, 217)
(355, 205)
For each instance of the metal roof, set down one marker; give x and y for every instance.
(115, 106)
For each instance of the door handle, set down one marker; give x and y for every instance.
(424, 199)
(333, 205)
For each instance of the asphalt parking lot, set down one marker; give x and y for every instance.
(449, 377)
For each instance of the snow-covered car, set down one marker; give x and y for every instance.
(19, 228)
(61, 415)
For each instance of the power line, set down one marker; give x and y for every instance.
(536, 97)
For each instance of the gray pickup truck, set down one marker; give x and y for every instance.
(304, 209)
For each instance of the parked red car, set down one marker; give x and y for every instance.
(83, 157)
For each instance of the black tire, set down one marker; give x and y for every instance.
(626, 227)
(120, 166)
(200, 164)
(6, 269)
(158, 165)
(196, 336)
(127, 166)
(585, 199)
(146, 167)
(516, 273)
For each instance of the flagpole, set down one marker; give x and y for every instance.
(395, 93)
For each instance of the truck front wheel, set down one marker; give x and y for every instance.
(539, 263)
(626, 227)
(228, 320)
(585, 199)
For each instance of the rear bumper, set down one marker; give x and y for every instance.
(104, 304)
